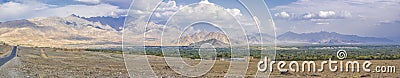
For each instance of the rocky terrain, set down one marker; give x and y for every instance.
(50, 63)
(65, 32)
(220, 69)
(220, 39)
(214, 42)
(4, 50)
(204, 37)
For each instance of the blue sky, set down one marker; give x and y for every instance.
(274, 3)
(375, 18)
(121, 3)
(43, 5)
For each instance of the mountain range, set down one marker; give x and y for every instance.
(70, 31)
(214, 42)
(75, 31)
(324, 37)
(116, 23)
(203, 36)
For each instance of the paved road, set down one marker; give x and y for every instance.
(9, 57)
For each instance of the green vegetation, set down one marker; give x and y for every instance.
(190, 52)
(287, 53)
(313, 52)
(324, 54)
(112, 50)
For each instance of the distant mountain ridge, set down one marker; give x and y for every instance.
(116, 23)
(324, 37)
(203, 37)
(220, 39)
(70, 31)
(214, 42)
(74, 31)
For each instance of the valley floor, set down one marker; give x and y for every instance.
(31, 62)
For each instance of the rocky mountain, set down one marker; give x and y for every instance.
(116, 23)
(260, 38)
(74, 31)
(202, 37)
(330, 38)
(220, 39)
(214, 42)
(68, 31)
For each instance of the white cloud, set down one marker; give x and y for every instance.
(318, 15)
(189, 14)
(206, 10)
(322, 15)
(308, 15)
(325, 14)
(322, 23)
(167, 9)
(235, 12)
(86, 10)
(89, 1)
(282, 14)
(204, 2)
(345, 16)
(12, 8)
(25, 10)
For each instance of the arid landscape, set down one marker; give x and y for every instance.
(141, 38)
(221, 67)
(49, 62)
(33, 62)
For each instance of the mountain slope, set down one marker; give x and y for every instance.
(116, 23)
(214, 42)
(252, 39)
(68, 31)
(202, 36)
(330, 38)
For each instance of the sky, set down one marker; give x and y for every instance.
(24, 9)
(373, 18)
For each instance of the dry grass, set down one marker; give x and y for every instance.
(221, 68)
(59, 63)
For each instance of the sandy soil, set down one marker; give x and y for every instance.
(31, 62)
(221, 68)
(50, 63)
(4, 50)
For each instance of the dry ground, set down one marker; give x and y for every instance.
(60, 63)
(221, 67)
